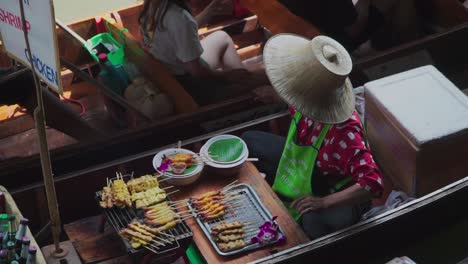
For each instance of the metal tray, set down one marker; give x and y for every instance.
(252, 212)
(119, 218)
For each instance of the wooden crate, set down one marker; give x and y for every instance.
(11, 208)
(417, 126)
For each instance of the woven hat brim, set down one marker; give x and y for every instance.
(336, 109)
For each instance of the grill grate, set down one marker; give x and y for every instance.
(248, 209)
(120, 218)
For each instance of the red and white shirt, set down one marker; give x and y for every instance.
(343, 152)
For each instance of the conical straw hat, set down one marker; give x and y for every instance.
(311, 76)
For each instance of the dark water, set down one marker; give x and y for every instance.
(449, 245)
(72, 10)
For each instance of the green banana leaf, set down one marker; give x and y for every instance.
(226, 150)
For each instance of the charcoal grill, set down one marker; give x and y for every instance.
(119, 218)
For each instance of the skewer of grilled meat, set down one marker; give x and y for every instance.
(232, 245)
(227, 226)
(142, 183)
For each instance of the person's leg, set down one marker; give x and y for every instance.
(268, 148)
(321, 223)
(313, 225)
(219, 51)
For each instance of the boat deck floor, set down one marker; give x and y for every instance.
(19, 138)
(24, 143)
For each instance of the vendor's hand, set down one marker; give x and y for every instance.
(307, 204)
(266, 95)
(220, 7)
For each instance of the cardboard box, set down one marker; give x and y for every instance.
(417, 125)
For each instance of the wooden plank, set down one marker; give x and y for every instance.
(100, 247)
(231, 26)
(154, 70)
(119, 260)
(249, 175)
(278, 19)
(448, 13)
(250, 51)
(70, 48)
(129, 17)
(248, 38)
(83, 229)
(91, 245)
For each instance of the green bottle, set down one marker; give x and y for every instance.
(3, 221)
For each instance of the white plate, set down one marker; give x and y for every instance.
(172, 151)
(221, 137)
(224, 166)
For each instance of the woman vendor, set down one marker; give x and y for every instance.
(206, 68)
(323, 171)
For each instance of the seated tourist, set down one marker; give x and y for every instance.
(209, 69)
(352, 22)
(323, 170)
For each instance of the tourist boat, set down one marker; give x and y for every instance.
(191, 120)
(444, 50)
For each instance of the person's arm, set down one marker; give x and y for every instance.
(354, 194)
(355, 160)
(362, 10)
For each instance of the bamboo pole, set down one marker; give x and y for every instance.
(39, 117)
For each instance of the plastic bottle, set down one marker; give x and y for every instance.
(20, 234)
(11, 228)
(32, 255)
(112, 76)
(25, 250)
(6, 236)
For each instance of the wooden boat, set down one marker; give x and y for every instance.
(413, 221)
(194, 119)
(190, 122)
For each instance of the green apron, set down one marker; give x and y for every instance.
(294, 175)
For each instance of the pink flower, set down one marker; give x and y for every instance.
(164, 165)
(269, 233)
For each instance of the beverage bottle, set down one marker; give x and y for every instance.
(11, 228)
(3, 221)
(6, 236)
(2, 203)
(20, 234)
(3, 256)
(112, 76)
(11, 255)
(32, 255)
(24, 250)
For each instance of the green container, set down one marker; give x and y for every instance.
(105, 43)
